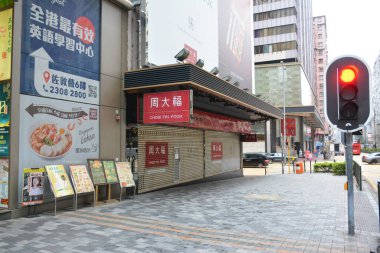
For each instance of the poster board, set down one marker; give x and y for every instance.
(125, 174)
(59, 181)
(81, 179)
(33, 186)
(110, 171)
(97, 171)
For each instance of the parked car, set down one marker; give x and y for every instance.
(275, 157)
(255, 160)
(371, 158)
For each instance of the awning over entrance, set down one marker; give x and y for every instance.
(211, 93)
(310, 114)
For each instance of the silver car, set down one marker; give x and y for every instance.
(371, 158)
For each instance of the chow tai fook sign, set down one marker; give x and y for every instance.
(167, 107)
(156, 154)
(216, 151)
(290, 127)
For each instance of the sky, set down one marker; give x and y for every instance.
(352, 27)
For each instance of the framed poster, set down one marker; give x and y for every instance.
(110, 171)
(81, 179)
(125, 174)
(33, 186)
(60, 182)
(97, 171)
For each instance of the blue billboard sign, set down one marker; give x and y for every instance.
(61, 49)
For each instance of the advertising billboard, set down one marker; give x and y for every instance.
(61, 50)
(6, 27)
(218, 32)
(57, 132)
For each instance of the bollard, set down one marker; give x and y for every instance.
(310, 166)
(304, 165)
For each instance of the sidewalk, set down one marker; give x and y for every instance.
(274, 213)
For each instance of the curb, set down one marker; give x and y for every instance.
(373, 186)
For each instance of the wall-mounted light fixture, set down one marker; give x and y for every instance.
(236, 83)
(227, 78)
(200, 63)
(117, 115)
(182, 55)
(246, 89)
(215, 71)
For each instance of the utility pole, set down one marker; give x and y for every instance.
(284, 128)
(350, 182)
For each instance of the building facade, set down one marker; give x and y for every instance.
(320, 63)
(74, 77)
(284, 72)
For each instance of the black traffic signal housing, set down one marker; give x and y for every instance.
(347, 93)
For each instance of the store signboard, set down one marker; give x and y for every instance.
(110, 171)
(5, 115)
(156, 154)
(59, 181)
(33, 186)
(97, 171)
(211, 121)
(81, 179)
(61, 49)
(216, 151)
(6, 27)
(125, 174)
(249, 138)
(167, 107)
(290, 127)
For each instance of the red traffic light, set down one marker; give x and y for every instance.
(348, 74)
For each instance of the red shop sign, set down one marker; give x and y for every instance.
(249, 138)
(290, 126)
(167, 107)
(216, 151)
(156, 154)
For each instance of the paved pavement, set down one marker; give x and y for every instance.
(273, 213)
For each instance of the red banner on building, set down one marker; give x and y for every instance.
(216, 151)
(167, 107)
(211, 121)
(156, 154)
(290, 127)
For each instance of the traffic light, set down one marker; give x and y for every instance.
(347, 93)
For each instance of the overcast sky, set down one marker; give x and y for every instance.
(353, 27)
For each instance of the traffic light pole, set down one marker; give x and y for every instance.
(350, 181)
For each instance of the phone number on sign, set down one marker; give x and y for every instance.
(66, 92)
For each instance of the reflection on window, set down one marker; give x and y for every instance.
(275, 30)
(275, 14)
(277, 47)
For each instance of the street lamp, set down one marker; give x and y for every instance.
(284, 130)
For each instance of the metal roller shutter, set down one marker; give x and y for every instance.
(231, 153)
(188, 143)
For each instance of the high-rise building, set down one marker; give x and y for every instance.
(284, 69)
(320, 63)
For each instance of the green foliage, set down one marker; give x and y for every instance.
(323, 167)
(370, 150)
(338, 168)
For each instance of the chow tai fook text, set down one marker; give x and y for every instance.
(167, 107)
(216, 151)
(156, 154)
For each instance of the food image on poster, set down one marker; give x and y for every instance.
(60, 182)
(110, 171)
(51, 141)
(97, 171)
(33, 186)
(125, 174)
(81, 179)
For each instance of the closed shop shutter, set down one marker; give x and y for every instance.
(187, 165)
(228, 159)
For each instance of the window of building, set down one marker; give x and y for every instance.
(275, 30)
(320, 61)
(320, 77)
(277, 47)
(319, 36)
(320, 69)
(275, 14)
